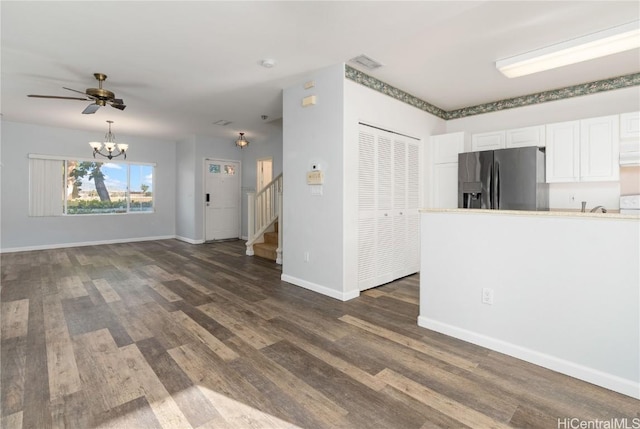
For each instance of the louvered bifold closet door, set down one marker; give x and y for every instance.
(388, 220)
(366, 209)
(384, 228)
(413, 206)
(399, 206)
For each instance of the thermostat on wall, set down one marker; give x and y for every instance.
(315, 177)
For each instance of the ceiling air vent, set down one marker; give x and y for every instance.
(222, 122)
(366, 62)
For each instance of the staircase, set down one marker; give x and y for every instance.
(264, 209)
(269, 248)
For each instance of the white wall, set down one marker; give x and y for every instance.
(179, 194)
(313, 224)
(326, 134)
(207, 147)
(368, 106)
(561, 196)
(268, 144)
(566, 289)
(21, 232)
(185, 190)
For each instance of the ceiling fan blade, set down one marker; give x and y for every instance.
(91, 108)
(57, 97)
(75, 90)
(118, 106)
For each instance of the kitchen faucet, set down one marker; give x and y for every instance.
(595, 209)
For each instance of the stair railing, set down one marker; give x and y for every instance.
(263, 210)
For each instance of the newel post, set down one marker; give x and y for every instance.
(251, 222)
(280, 227)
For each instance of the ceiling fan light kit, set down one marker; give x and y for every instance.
(113, 149)
(99, 96)
(596, 45)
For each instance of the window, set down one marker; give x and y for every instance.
(90, 187)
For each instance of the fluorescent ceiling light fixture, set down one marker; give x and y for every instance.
(611, 41)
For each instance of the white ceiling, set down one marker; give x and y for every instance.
(180, 66)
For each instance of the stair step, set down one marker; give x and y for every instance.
(265, 250)
(271, 237)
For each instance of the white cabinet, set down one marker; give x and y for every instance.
(444, 169)
(599, 149)
(630, 139)
(583, 151)
(488, 141)
(388, 200)
(517, 137)
(446, 147)
(445, 185)
(524, 137)
(630, 126)
(563, 152)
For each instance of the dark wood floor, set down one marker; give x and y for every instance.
(172, 335)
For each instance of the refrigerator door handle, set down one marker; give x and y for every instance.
(490, 205)
(496, 183)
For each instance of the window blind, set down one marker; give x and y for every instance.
(45, 187)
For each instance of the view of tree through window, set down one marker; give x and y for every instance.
(108, 187)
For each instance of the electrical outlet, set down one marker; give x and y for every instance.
(487, 296)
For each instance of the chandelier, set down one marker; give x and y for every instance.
(242, 142)
(109, 144)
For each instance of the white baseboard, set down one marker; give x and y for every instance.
(320, 289)
(189, 240)
(84, 243)
(581, 372)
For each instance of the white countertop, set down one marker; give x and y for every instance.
(551, 213)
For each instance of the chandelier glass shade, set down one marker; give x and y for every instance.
(109, 145)
(242, 141)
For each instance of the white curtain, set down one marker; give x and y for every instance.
(45, 187)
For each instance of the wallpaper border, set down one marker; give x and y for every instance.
(495, 106)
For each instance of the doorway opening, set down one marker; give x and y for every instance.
(264, 172)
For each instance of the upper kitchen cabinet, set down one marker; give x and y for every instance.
(583, 151)
(599, 149)
(444, 168)
(630, 126)
(630, 139)
(524, 137)
(563, 152)
(446, 147)
(488, 141)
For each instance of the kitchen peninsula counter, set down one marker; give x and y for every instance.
(565, 288)
(551, 213)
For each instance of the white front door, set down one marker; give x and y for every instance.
(222, 199)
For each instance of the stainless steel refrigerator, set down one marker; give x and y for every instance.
(504, 179)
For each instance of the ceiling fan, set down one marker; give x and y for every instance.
(99, 96)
